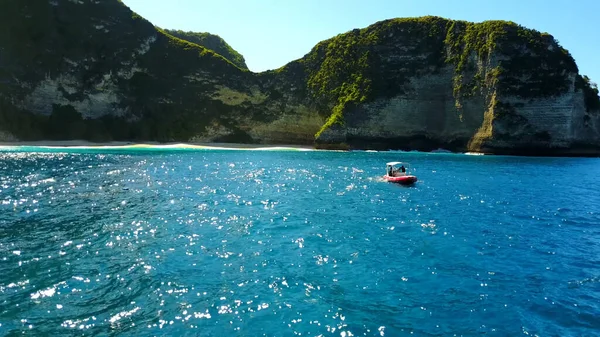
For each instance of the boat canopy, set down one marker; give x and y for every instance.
(396, 163)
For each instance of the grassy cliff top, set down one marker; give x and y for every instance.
(212, 42)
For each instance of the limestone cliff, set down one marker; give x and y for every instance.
(89, 69)
(429, 82)
(96, 70)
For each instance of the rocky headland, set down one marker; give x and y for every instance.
(95, 70)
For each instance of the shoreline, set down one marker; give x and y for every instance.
(153, 145)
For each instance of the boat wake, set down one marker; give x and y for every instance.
(378, 179)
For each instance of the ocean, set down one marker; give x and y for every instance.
(209, 242)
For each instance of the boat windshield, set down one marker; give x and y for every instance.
(397, 168)
(397, 164)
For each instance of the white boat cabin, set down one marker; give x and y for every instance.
(397, 169)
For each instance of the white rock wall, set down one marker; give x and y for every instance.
(101, 100)
(104, 100)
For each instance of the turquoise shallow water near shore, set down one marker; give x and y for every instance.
(276, 243)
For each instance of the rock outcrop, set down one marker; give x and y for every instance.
(89, 69)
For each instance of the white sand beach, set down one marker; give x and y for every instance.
(82, 144)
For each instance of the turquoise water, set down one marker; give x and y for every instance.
(254, 243)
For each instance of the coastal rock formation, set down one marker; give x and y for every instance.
(429, 82)
(89, 69)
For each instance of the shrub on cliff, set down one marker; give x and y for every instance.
(590, 93)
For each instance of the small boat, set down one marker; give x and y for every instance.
(397, 172)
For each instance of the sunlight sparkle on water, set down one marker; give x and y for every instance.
(221, 243)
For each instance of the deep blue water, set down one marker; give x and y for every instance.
(251, 243)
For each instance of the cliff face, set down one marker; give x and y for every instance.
(88, 69)
(429, 82)
(96, 70)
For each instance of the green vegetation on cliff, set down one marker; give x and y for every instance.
(356, 67)
(212, 42)
(376, 62)
(343, 57)
(522, 62)
(590, 93)
(42, 39)
(160, 87)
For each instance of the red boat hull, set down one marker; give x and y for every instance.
(403, 180)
